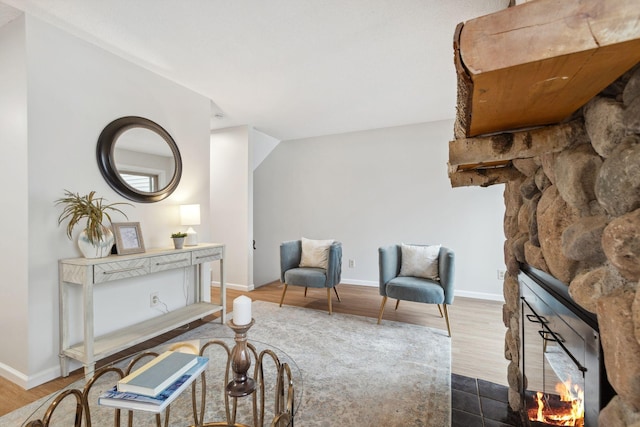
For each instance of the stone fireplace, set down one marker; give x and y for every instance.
(572, 191)
(575, 214)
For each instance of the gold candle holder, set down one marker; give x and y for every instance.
(242, 385)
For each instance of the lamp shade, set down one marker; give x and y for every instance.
(190, 214)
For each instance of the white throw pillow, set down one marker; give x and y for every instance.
(420, 261)
(315, 253)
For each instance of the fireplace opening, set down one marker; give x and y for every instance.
(564, 378)
(564, 408)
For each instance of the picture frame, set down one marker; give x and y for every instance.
(128, 236)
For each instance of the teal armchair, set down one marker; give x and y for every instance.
(418, 289)
(310, 277)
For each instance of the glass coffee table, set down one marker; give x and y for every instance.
(206, 402)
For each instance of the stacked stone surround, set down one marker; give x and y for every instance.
(575, 214)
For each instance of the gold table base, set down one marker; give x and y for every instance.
(283, 397)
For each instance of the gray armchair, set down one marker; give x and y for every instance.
(430, 291)
(310, 277)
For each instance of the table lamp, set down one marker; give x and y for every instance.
(189, 216)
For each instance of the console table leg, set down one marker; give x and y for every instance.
(223, 291)
(89, 370)
(64, 365)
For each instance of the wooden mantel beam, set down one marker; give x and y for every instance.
(485, 161)
(483, 177)
(489, 151)
(539, 62)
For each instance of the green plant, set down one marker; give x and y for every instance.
(94, 209)
(178, 235)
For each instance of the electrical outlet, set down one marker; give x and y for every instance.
(352, 263)
(501, 274)
(154, 299)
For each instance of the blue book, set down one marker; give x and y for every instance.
(158, 374)
(126, 400)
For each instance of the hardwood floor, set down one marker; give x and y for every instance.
(477, 345)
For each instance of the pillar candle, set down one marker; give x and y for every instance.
(242, 310)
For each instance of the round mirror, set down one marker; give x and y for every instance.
(139, 159)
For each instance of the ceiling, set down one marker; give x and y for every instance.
(290, 68)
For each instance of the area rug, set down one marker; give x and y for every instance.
(354, 371)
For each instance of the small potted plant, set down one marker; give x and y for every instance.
(178, 239)
(95, 240)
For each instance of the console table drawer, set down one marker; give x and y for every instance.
(205, 255)
(169, 262)
(120, 270)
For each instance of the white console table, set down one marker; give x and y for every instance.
(88, 273)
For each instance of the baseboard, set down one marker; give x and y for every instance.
(370, 283)
(479, 295)
(14, 376)
(234, 286)
(28, 382)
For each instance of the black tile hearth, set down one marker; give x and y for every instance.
(465, 419)
(467, 402)
(476, 402)
(493, 391)
(459, 382)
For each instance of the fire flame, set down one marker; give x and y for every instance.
(564, 415)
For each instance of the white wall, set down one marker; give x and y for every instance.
(235, 153)
(14, 319)
(263, 145)
(375, 188)
(232, 202)
(74, 90)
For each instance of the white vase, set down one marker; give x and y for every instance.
(99, 249)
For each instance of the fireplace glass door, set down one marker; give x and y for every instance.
(554, 368)
(560, 355)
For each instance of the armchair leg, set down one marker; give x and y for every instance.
(336, 291)
(446, 317)
(329, 299)
(440, 310)
(284, 291)
(384, 301)
(397, 304)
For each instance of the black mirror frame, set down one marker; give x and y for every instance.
(106, 162)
